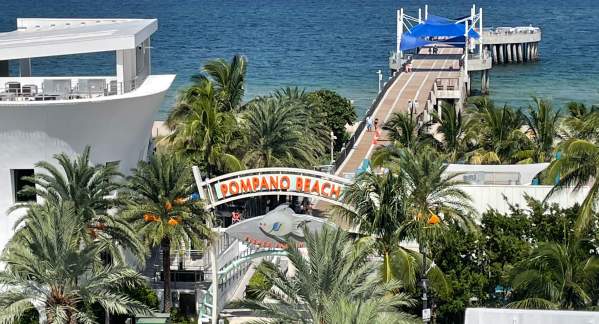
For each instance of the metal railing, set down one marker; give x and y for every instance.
(15, 91)
(349, 145)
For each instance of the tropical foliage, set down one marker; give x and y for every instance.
(91, 190)
(48, 269)
(158, 205)
(334, 283)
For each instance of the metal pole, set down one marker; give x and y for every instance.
(480, 29)
(419, 15)
(466, 47)
(425, 12)
(399, 33)
(425, 310)
(333, 143)
(212, 250)
(380, 73)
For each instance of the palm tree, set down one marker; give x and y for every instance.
(556, 276)
(405, 132)
(206, 133)
(159, 206)
(453, 132)
(542, 122)
(404, 129)
(279, 134)
(432, 190)
(435, 199)
(335, 277)
(577, 167)
(47, 269)
(380, 206)
(228, 81)
(90, 188)
(581, 122)
(500, 135)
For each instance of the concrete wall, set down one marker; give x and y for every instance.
(528, 316)
(492, 196)
(117, 127)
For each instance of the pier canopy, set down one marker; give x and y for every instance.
(436, 30)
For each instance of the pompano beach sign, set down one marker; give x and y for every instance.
(271, 181)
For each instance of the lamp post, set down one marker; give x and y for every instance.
(380, 73)
(426, 312)
(333, 138)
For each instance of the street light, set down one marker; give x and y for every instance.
(333, 138)
(380, 73)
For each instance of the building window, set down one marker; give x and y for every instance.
(19, 183)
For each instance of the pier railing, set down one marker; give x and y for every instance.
(346, 150)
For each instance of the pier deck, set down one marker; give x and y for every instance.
(415, 85)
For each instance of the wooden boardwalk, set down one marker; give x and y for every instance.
(415, 85)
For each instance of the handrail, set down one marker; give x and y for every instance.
(353, 139)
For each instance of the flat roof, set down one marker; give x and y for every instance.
(41, 37)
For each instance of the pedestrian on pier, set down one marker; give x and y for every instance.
(415, 106)
(376, 124)
(369, 123)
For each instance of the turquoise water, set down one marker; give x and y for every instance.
(330, 44)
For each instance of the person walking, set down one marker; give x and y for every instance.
(368, 123)
(410, 106)
(376, 124)
(415, 106)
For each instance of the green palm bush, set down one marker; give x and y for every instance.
(335, 283)
(48, 269)
(206, 134)
(91, 189)
(500, 133)
(542, 123)
(279, 133)
(158, 206)
(454, 132)
(556, 276)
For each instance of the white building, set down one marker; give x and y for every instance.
(44, 115)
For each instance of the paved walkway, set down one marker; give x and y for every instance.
(418, 84)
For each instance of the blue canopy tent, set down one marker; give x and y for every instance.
(441, 30)
(436, 30)
(409, 42)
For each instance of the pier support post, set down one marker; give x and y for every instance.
(501, 52)
(494, 47)
(509, 52)
(520, 54)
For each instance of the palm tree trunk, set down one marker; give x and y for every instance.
(166, 270)
(387, 265)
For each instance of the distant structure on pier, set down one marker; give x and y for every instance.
(484, 46)
(512, 44)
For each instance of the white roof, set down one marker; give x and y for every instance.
(38, 37)
(527, 171)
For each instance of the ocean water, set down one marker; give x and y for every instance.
(336, 44)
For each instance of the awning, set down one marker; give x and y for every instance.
(441, 30)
